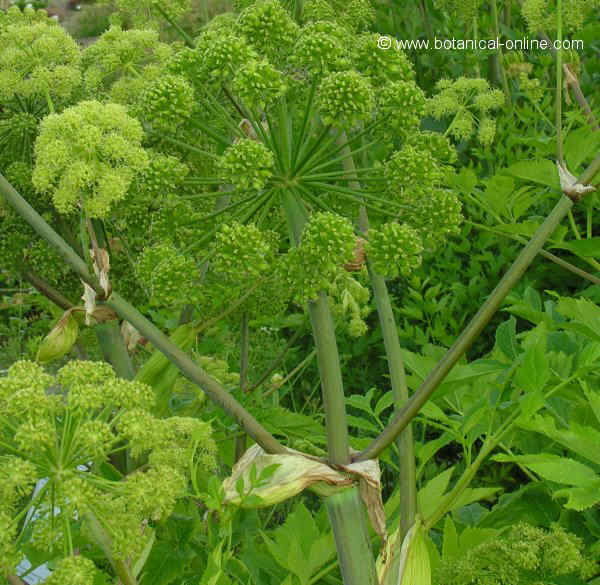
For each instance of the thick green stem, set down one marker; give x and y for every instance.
(470, 333)
(331, 379)
(114, 349)
(407, 474)
(347, 516)
(559, 73)
(346, 511)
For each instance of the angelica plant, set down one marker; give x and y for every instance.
(60, 432)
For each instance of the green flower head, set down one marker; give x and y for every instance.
(345, 98)
(88, 156)
(38, 59)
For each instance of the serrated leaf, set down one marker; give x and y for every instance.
(580, 498)
(506, 338)
(555, 468)
(384, 402)
(588, 248)
(583, 440)
(533, 374)
(579, 144)
(542, 172)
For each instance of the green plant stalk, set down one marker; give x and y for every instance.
(146, 328)
(346, 512)
(240, 441)
(46, 289)
(114, 349)
(498, 56)
(559, 73)
(347, 517)
(407, 474)
(544, 253)
(469, 334)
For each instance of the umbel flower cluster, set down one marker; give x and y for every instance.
(525, 554)
(60, 434)
(177, 149)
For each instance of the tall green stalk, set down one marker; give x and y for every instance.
(346, 511)
(407, 473)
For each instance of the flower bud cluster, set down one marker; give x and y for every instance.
(345, 98)
(381, 67)
(217, 57)
(317, 11)
(328, 242)
(321, 48)
(258, 83)
(164, 174)
(394, 249)
(168, 276)
(166, 103)
(356, 15)
(121, 53)
(524, 554)
(62, 426)
(242, 252)
(402, 104)
(144, 14)
(247, 164)
(268, 27)
(88, 156)
(540, 15)
(38, 60)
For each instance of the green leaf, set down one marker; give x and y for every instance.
(384, 402)
(579, 146)
(555, 468)
(429, 496)
(542, 172)
(506, 338)
(533, 374)
(580, 498)
(589, 248)
(450, 543)
(497, 193)
(470, 495)
(583, 440)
